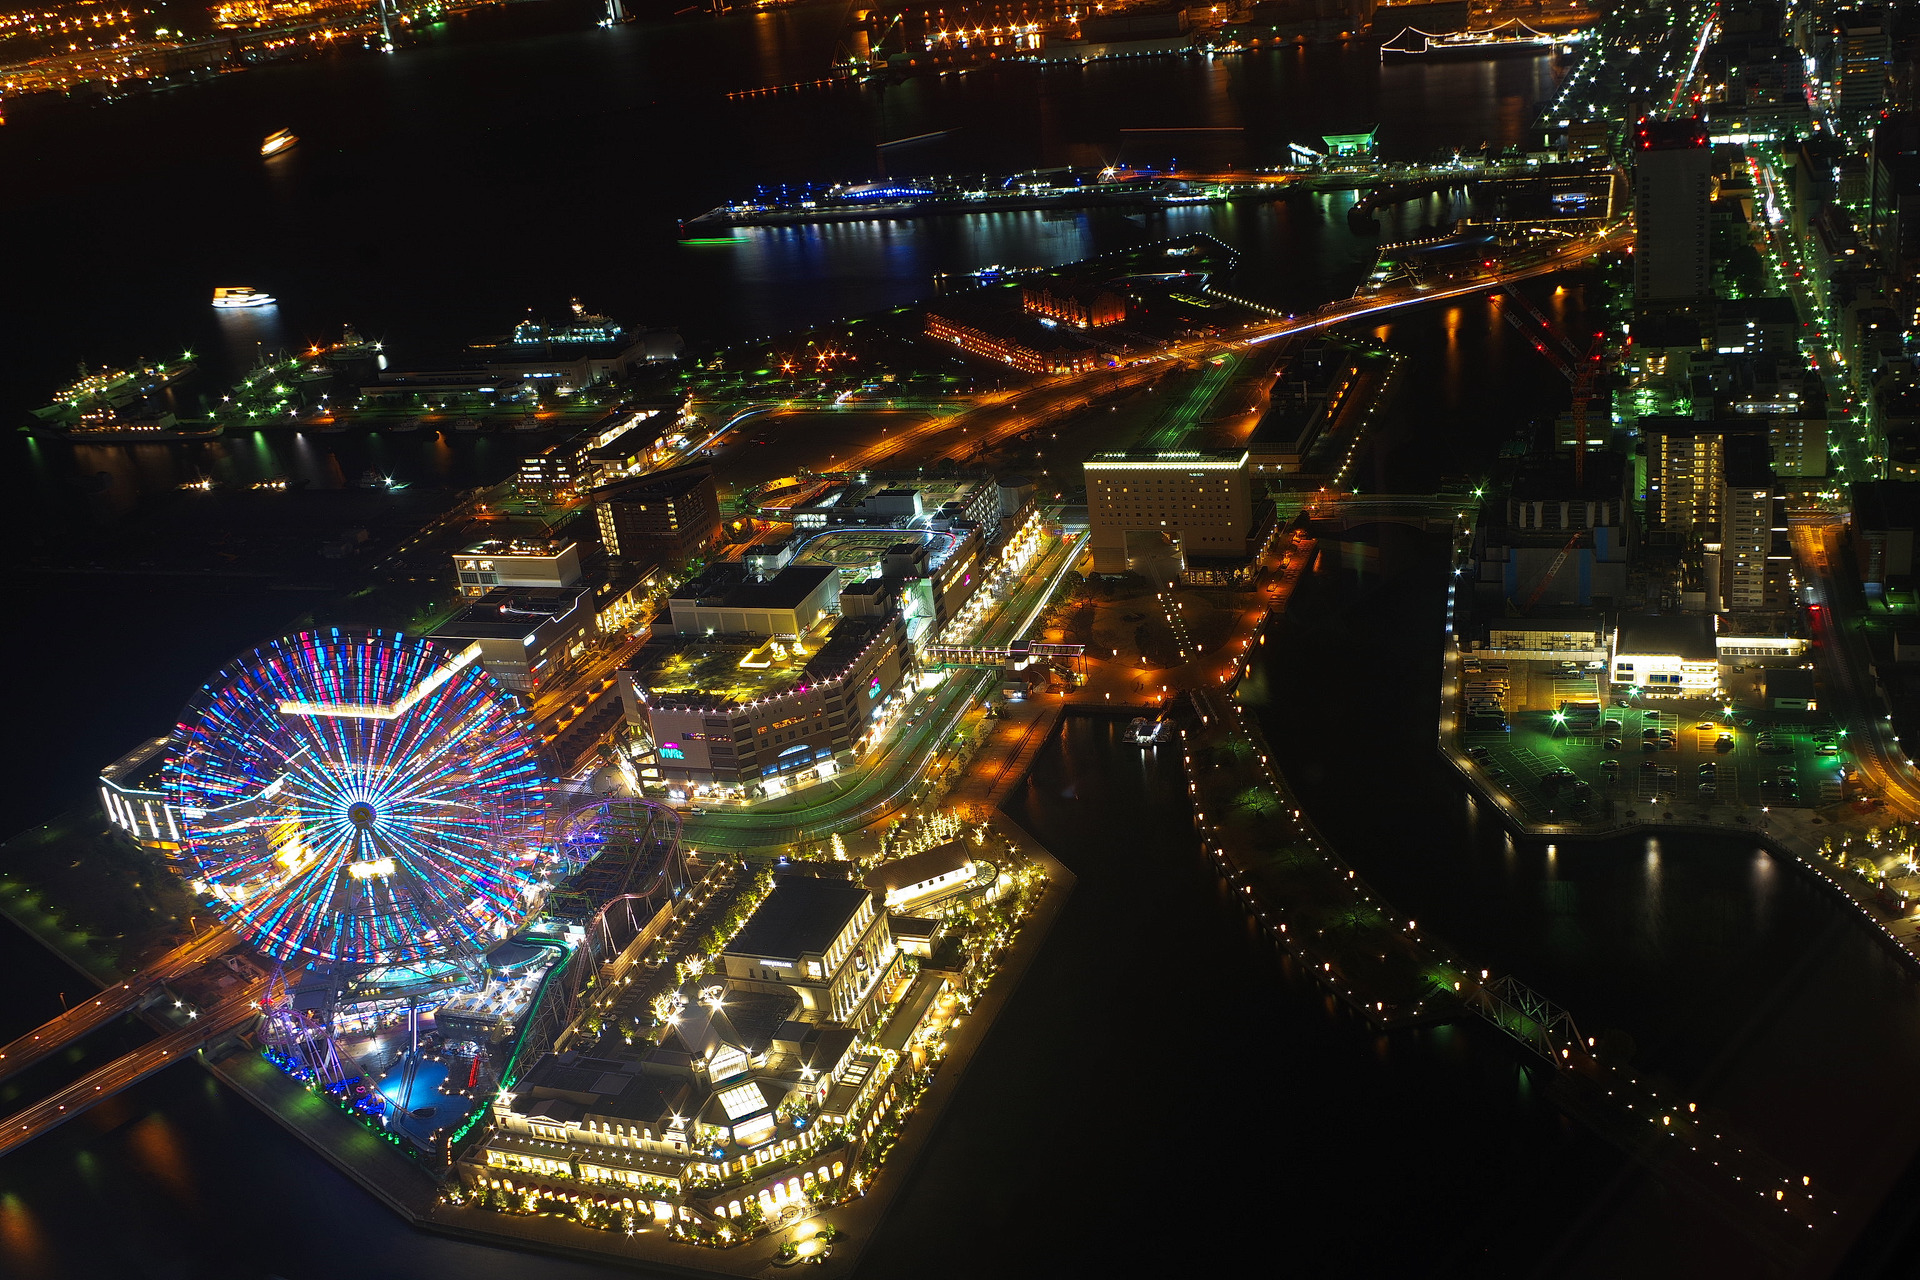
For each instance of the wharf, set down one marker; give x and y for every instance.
(939, 205)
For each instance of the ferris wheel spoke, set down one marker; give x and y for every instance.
(349, 836)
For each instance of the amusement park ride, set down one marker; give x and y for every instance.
(368, 814)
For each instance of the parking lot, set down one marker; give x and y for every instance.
(1774, 759)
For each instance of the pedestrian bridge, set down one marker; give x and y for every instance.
(1327, 511)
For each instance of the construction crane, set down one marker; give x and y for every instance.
(1553, 571)
(1579, 370)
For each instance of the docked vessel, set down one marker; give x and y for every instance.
(111, 388)
(277, 141)
(1510, 37)
(1055, 190)
(350, 346)
(108, 427)
(467, 424)
(406, 424)
(1145, 733)
(233, 296)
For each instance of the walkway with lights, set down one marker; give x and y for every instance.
(1301, 896)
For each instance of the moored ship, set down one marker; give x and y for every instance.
(114, 388)
(105, 426)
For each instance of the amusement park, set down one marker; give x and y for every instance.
(369, 815)
(519, 973)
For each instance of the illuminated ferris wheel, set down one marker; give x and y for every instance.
(359, 798)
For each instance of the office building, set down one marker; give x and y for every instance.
(668, 515)
(1198, 502)
(1687, 472)
(1672, 186)
(526, 635)
(495, 563)
(1863, 50)
(1746, 525)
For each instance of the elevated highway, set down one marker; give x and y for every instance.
(999, 416)
(112, 1003)
(208, 1025)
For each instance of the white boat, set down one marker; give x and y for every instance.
(277, 141)
(1144, 732)
(241, 296)
(467, 424)
(406, 424)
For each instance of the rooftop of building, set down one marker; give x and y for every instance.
(942, 859)
(731, 585)
(511, 612)
(723, 671)
(1168, 459)
(1674, 427)
(519, 547)
(1775, 310)
(140, 768)
(1550, 620)
(1554, 477)
(802, 915)
(654, 486)
(1880, 505)
(746, 1020)
(637, 439)
(1787, 682)
(1686, 635)
(1670, 135)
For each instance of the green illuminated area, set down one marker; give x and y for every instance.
(730, 670)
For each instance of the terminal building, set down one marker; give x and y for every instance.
(1197, 502)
